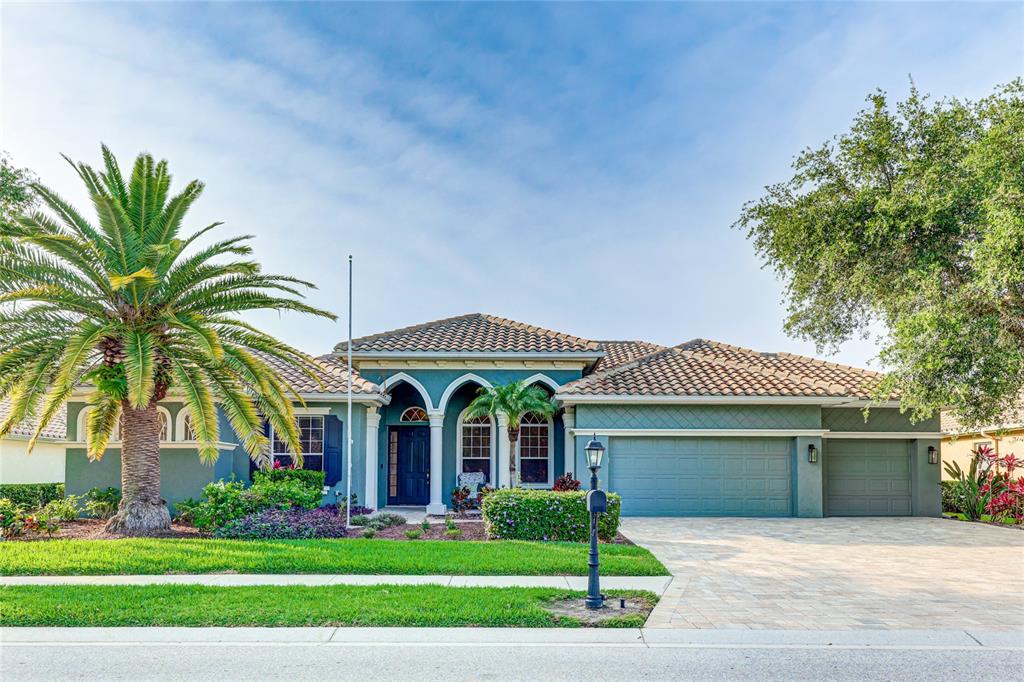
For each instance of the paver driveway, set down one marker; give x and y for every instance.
(835, 573)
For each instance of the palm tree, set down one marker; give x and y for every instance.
(513, 399)
(130, 310)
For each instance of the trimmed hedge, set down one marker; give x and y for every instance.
(311, 478)
(519, 514)
(32, 495)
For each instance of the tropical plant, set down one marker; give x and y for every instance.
(987, 487)
(133, 308)
(102, 503)
(63, 509)
(513, 399)
(566, 483)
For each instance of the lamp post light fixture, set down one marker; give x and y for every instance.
(597, 502)
(812, 453)
(933, 455)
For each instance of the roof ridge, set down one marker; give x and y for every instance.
(404, 330)
(506, 322)
(612, 371)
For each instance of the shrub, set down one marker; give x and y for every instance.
(413, 534)
(360, 520)
(425, 525)
(565, 483)
(226, 501)
(385, 520)
(460, 499)
(185, 511)
(12, 518)
(952, 496)
(357, 509)
(285, 524)
(312, 479)
(42, 522)
(518, 514)
(286, 493)
(102, 503)
(63, 509)
(32, 495)
(449, 523)
(368, 533)
(453, 533)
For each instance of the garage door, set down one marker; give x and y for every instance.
(702, 476)
(868, 477)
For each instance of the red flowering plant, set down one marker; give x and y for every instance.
(988, 486)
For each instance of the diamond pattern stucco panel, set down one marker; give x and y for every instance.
(879, 419)
(698, 416)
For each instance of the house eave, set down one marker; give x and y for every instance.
(582, 356)
(583, 399)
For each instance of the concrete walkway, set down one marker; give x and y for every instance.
(656, 584)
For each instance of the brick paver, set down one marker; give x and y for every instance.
(835, 573)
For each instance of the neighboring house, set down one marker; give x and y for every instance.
(702, 428)
(45, 464)
(958, 442)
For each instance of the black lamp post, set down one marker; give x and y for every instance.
(597, 502)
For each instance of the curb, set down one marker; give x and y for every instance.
(626, 637)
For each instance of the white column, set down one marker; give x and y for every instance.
(569, 421)
(372, 464)
(503, 451)
(436, 506)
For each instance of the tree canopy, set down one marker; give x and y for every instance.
(912, 221)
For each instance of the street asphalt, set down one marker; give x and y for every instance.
(196, 654)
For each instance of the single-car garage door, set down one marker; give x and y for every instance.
(702, 476)
(868, 477)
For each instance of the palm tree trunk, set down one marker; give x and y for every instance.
(513, 436)
(142, 511)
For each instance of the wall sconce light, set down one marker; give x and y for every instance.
(812, 453)
(933, 455)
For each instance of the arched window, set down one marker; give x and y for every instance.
(186, 428)
(115, 436)
(535, 450)
(475, 448)
(414, 414)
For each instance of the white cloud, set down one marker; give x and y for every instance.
(609, 216)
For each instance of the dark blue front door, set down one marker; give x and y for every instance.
(412, 466)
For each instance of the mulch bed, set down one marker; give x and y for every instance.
(471, 530)
(576, 608)
(93, 529)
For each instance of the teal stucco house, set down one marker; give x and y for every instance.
(702, 428)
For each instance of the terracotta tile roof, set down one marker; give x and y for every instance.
(620, 352)
(949, 423)
(709, 368)
(57, 429)
(332, 373)
(473, 333)
(853, 381)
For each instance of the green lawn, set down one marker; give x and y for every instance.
(335, 605)
(984, 517)
(379, 557)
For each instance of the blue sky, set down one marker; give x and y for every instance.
(574, 166)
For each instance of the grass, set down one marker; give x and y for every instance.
(355, 556)
(276, 606)
(984, 517)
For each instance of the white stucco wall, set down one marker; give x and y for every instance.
(44, 465)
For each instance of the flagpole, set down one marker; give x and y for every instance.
(348, 419)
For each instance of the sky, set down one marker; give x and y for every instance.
(574, 166)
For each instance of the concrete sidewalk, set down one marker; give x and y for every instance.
(630, 637)
(656, 584)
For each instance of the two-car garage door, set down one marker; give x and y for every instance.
(702, 476)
